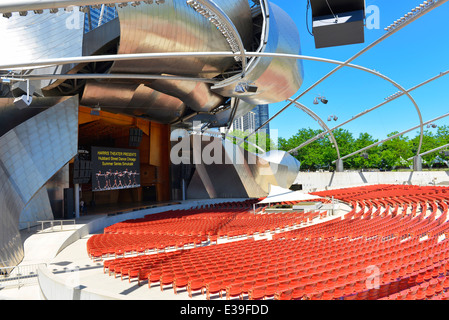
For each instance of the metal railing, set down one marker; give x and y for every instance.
(52, 223)
(18, 276)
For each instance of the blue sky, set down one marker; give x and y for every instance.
(410, 56)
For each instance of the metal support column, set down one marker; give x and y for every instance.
(417, 163)
(77, 200)
(339, 167)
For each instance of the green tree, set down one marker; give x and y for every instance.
(259, 139)
(394, 152)
(312, 155)
(372, 159)
(429, 142)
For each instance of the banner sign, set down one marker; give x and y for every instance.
(114, 168)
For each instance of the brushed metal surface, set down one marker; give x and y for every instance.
(175, 27)
(37, 36)
(235, 172)
(277, 168)
(30, 154)
(171, 26)
(133, 99)
(276, 78)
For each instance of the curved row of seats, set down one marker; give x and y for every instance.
(179, 228)
(389, 246)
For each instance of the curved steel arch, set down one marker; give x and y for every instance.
(368, 111)
(431, 151)
(390, 138)
(428, 8)
(321, 122)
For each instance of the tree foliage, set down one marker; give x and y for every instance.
(388, 155)
(259, 139)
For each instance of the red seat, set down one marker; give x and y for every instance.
(180, 282)
(234, 290)
(166, 279)
(214, 287)
(284, 295)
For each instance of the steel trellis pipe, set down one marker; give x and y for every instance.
(322, 124)
(392, 137)
(144, 56)
(427, 9)
(368, 111)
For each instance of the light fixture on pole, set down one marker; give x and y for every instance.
(409, 15)
(25, 99)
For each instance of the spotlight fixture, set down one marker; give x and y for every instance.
(394, 95)
(365, 155)
(432, 125)
(23, 101)
(413, 13)
(7, 15)
(332, 117)
(243, 87)
(22, 88)
(216, 21)
(320, 98)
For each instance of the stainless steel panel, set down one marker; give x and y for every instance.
(132, 99)
(276, 78)
(11, 116)
(108, 94)
(196, 95)
(156, 105)
(277, 168)
(30, 154)
(175, 27)
(171, 26)
(37, 36)
(38, 208)
(238, 173)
